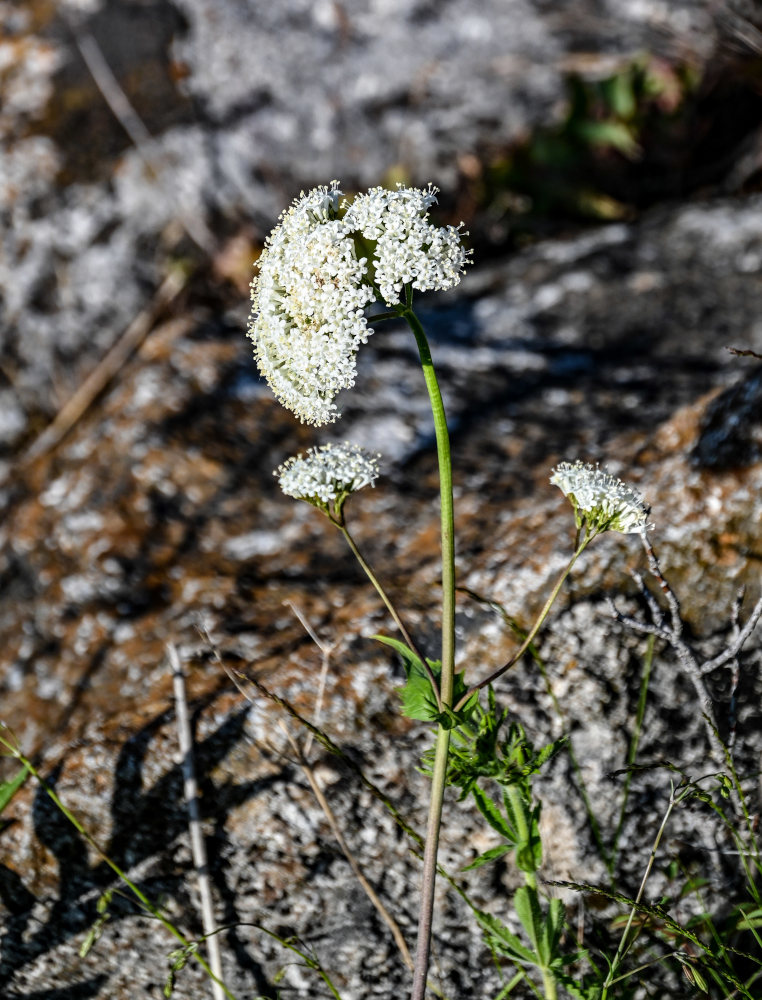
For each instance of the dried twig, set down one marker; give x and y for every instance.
(198, 846)
(742, 353)
(135, 128)
(739, 640)
(302, 756)
(370, 892)
(669, 627)
(75, 408)
(326, 652)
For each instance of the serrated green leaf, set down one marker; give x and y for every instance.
(490, 811)
(9, 788)
(547, 753)
(418, 699)
(491, 855)
(503, 940)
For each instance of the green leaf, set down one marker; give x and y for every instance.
(418, 698)
(490, 811)
(9, 788)
(528, 911)
(619, 93)
(610, 133)
(580, 990)
(504, 941)
(529, 849)
(749, 920)
(553, 928)
(491, 855)
(547, 753)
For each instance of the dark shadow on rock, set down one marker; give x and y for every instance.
(238, 938)
(731, 428)
(80, 991)
(146, 823)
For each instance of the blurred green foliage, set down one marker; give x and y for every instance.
(565, 169)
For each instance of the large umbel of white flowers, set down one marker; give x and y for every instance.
(325, 262)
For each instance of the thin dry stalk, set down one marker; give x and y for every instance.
(301, 753)
(669, 627)
(139, 135)
(198, 846)
(326, 652)
(370, 892)
(302, 757)
(113, 361)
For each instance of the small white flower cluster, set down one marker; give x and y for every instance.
(599, 499)
(328, 474)
(409, 250)
(310, 295)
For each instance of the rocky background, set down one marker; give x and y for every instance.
(607, 159)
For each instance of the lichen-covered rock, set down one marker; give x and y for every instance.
(159, 512)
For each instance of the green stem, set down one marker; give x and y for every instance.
(138, 893)
(515, 796)
(448, 652)
(549, 984)
(535, 628)
(428, 880)
(446, 508)
(389, 606)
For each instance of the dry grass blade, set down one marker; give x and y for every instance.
(370, 892)
(198, 846)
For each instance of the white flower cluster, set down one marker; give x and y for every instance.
(310, 295)
(599, 499)
(409, 250)
(309, 300)
(328, 474)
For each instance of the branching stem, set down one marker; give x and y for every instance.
(409, 641)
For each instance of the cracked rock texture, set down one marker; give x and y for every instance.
(158, 512)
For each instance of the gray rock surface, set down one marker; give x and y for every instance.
(241, 105)
(158, 511)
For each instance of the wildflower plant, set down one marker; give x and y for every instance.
(327, 262)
